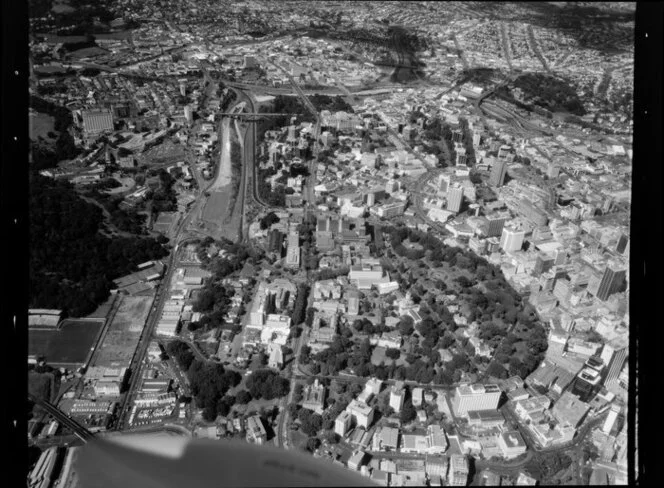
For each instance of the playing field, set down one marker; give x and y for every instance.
(69, 345)
(121, 339)
(40, 125)
(88, 52)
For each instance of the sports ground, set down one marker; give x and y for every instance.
(69, 345)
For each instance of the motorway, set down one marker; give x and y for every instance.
(137, 363)
(65, 420)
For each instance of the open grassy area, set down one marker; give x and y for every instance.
(62, 6)
(69, 345)
(167, 152)
(40, 385)
(298, 440)
(41, 125)
(87, 52)
(378, 356)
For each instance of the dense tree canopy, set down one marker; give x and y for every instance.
(267, 384)
(268, 220)
(408, 412)
(311, 421)
(506, 324)
(71, 264)
(181, 352)
(298, 315)
(209, 383)
(243, 397)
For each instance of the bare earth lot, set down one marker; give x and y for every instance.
(216, 207)
(123, 332)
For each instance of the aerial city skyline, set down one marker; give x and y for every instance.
(393, 236)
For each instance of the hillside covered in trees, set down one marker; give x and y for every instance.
(71, 264)
(43, 155)
(549, 92)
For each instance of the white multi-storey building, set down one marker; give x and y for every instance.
(397, 396)
(361, 413)
(476, 397)
(342, 423)
(511, 239)
(458, 471)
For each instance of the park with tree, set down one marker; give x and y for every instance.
(509, 325)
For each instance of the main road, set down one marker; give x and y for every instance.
(137, 362)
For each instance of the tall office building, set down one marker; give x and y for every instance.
(622, 243)
(607, 205)
(477, 138)
(495, 224)
(342, 423)
(397, 396)
(444, 182)
(586, 384)
(559, 256)
(612, 280)
(458, 471)
(543, 263)
(475, 397)
(454, 198)
(498, 172)
(614, 355)
(292, 136)
(511, 239)
(611, 419)
(461, 157)
(504, 151)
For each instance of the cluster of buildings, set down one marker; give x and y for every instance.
(548, 210)
(47, 470)
(550, 419)
(156, 399)
(268, 319)
(434, 471)
(177, 310)
(96, 415)
(143, 281)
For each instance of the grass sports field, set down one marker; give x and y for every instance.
(40, 125)
(69, 345)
